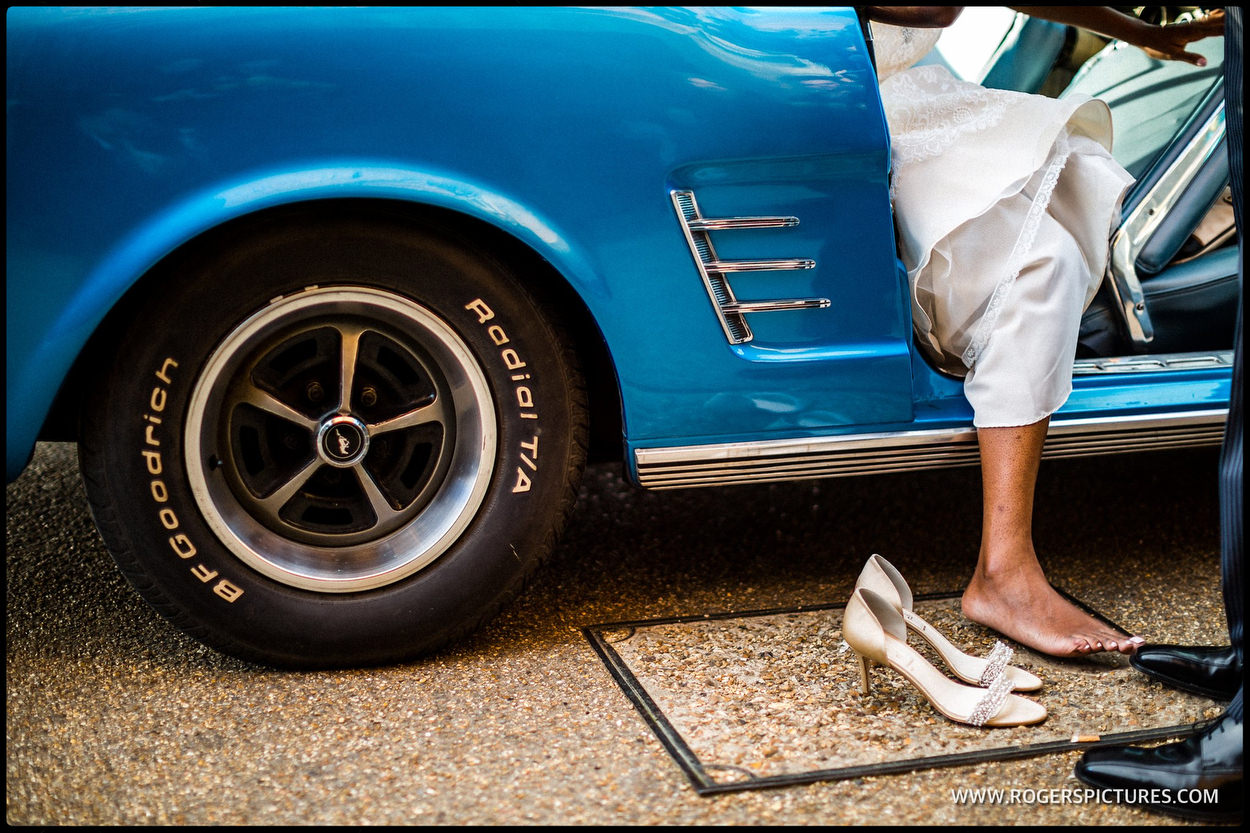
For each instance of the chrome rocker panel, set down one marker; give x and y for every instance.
(857, 454)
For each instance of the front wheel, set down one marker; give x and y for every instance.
(334, 442)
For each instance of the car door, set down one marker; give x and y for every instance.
(781, 207)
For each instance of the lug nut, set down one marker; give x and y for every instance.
(368, 397)
(314, 391)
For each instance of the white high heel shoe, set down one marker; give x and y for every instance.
(881, 577)
(875, 630)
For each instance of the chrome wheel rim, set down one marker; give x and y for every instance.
(340, 439)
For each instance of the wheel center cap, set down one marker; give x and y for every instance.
(342, 441)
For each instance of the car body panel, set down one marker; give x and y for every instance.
(132, 132)
(168, 122)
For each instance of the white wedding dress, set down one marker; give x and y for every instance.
(1004, 203)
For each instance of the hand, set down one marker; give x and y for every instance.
(921, 17)
(1167, 43)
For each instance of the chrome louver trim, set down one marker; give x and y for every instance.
(713, 270)
(777, 460)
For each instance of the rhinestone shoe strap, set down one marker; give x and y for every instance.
(995, 663)
(993, 700)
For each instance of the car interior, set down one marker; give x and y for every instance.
(1172, 287)
(1168, 119)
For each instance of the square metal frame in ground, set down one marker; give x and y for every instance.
(703, 783)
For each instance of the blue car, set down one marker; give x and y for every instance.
(337, 303)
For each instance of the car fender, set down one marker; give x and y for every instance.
(177, 224)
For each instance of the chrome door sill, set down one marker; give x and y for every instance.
(1214, 359)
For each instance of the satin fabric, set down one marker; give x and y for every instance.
(1004, 203)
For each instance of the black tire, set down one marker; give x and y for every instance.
(259, 514)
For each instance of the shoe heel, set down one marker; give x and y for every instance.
(865, 687)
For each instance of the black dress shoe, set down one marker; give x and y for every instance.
(1199, 778)
(1211, 672)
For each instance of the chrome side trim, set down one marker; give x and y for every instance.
(776, 460)
(714, 271)
(724, 266)
(731, 223)
(1138, 227)
(773, 306)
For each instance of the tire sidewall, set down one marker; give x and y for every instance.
(171, 553)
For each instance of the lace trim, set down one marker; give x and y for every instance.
(1020, 251)
(924, 122)
(898, 47)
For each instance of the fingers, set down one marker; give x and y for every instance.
(1198, 29)
(1192, 58)
(1177, 36)
(1212, 24)
(1202, 27)
(1177, 54)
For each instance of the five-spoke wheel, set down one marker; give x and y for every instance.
(310, 447)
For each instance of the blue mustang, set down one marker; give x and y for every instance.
(338, 302)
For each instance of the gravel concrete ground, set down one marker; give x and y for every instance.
(114, 717)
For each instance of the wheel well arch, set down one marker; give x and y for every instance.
(548, 286)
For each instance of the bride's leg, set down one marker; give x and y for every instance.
(1020, 373)
(1009, 591)
(1023, 374)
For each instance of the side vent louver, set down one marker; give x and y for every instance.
(714, 271)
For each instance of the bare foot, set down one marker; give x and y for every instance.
(1022, 605)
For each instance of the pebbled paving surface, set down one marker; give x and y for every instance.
(113, 717)
(758, 700)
